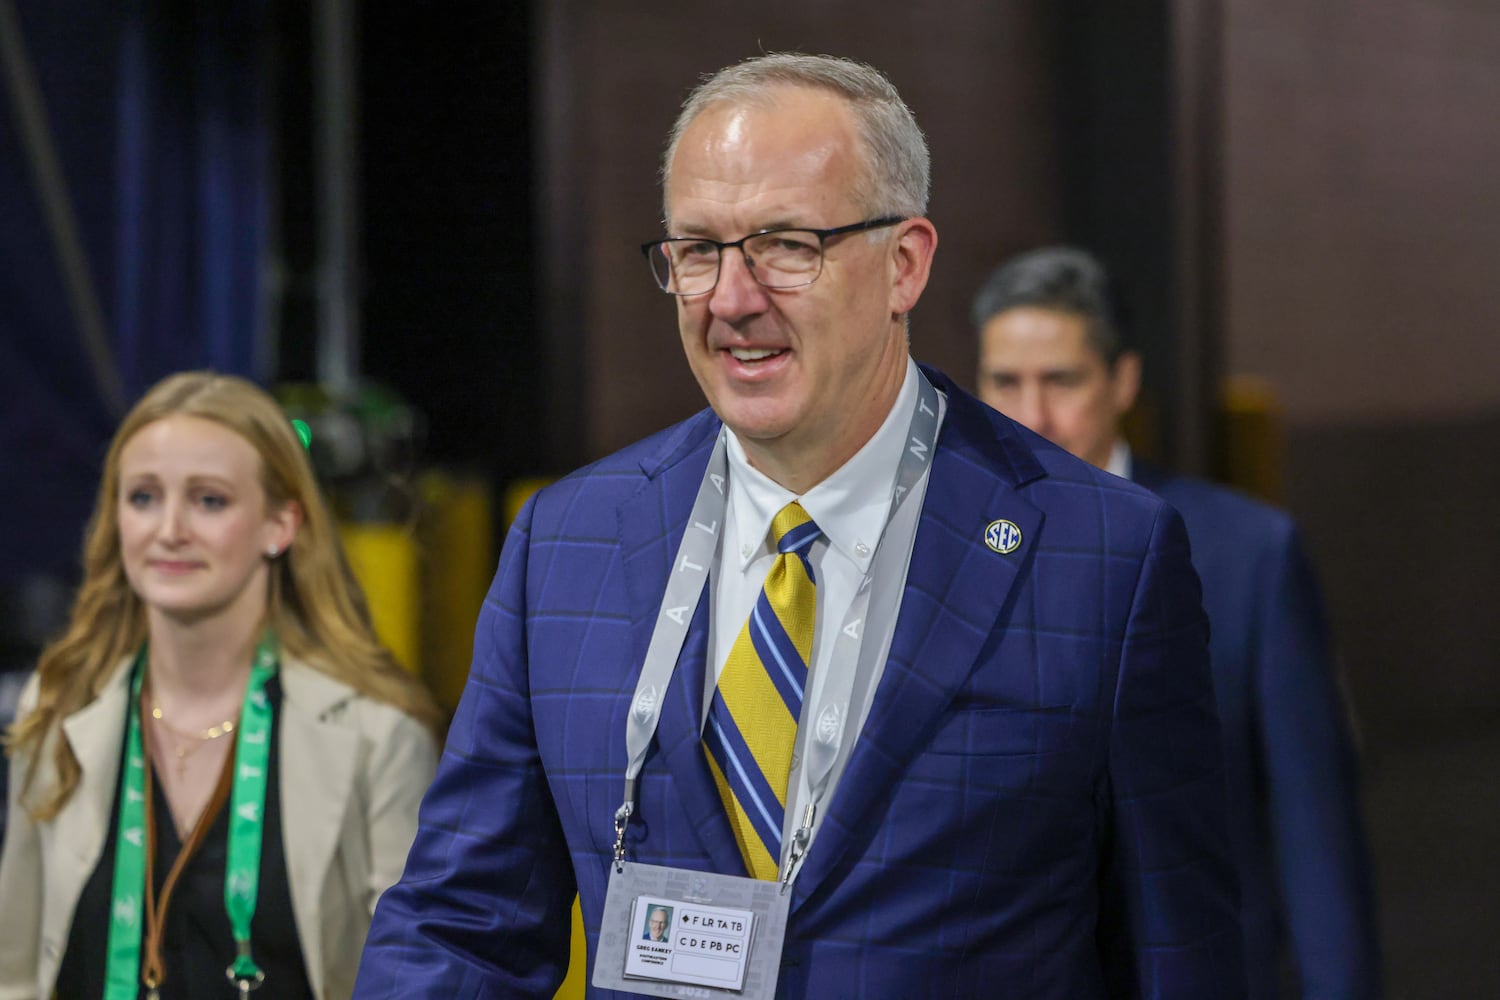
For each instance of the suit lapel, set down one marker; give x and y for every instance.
(652, 523)
(317, 776)
(96, 734)
(957, 588)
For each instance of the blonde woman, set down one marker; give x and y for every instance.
(216, 769)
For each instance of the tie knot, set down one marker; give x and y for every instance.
(792, 530)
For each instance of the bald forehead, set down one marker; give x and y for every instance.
(772, 95)
(778, 106)
(740, 133)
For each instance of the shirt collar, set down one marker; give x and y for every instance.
(1121, 462)
(850, 506)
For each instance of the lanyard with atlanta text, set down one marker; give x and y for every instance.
(242, 868)
(684, 589)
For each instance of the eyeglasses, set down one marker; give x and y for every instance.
(777, 258)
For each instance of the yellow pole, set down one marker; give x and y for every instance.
(383, 557)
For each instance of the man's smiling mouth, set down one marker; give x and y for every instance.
(754, 353)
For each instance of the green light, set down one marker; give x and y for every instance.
(304, 432)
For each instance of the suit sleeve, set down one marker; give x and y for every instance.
(483, 909)
(1311, 776)
(1169, 898)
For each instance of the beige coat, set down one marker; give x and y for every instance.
(352, 773)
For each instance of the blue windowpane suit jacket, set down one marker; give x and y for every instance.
(1034, 806)
(1289, 759)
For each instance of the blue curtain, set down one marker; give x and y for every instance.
(191, 189)
(158, 116)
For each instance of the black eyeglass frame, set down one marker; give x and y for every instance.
(823, 236)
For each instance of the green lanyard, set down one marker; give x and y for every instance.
(242, 868)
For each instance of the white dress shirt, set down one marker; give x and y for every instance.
(851, 508)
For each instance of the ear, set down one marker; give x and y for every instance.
(281, 527)
(1125, 382)
(911, 263)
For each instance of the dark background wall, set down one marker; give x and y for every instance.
(446, 266)
(1360, 247)
(1362, 235)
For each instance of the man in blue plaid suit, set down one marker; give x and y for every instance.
(1027, 799)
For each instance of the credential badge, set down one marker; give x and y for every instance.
(1003, 536)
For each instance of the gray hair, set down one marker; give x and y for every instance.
(898, 167)
(1063, 279)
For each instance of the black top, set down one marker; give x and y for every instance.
(198, 944)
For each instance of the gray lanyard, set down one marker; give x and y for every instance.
(699, 548)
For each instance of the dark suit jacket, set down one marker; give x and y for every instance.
(1293, 785)
(1034, 805)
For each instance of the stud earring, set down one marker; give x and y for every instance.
(272, 552)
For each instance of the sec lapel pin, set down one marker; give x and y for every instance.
(1002, 536)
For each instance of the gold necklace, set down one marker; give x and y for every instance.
(211, 733)
(196, 739)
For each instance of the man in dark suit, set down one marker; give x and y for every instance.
(1051, 357)
(1004, 774)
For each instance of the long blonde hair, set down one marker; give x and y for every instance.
(314, 604)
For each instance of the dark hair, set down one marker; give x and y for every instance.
(1066, 279)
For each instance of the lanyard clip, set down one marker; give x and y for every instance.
(245, 984)
(622, 817)
(243, 973)
(800, 841)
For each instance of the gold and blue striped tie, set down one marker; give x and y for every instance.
(752, 723)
